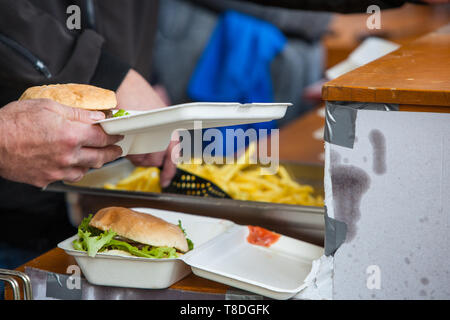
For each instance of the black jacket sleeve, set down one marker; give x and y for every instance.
(307, 25)
(36, 49)
(341, 6)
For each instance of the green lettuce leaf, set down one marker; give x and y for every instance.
(189, 241)
(91, 239)
(120, 113)
(146, 251)
(78, 245)
(94, 244)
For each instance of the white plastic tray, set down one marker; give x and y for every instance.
(137, 272)
(151, 131)
(221, 253)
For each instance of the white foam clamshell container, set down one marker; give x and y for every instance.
(221, 253)
(151, 131)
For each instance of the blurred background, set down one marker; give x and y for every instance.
(227, 50)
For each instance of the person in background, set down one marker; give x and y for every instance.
(186, 27)
(342, 6)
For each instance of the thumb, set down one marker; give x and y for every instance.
(81, 115)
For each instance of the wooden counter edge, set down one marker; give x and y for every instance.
(369, 84)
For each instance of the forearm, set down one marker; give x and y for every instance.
(135, 93)
(2, 141)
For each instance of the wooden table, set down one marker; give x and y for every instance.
(57, 261)
(302, 139)
(401, 25)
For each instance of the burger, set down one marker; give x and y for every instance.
(80, 96)
(122, 231)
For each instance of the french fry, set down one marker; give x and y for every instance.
(141, 179)
(242, 181)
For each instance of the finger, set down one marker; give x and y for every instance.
(170, 165)
(148, 160)
(174, 151)
(136, 159)
(94, 136)
(97, 157)
(74, 174)
(79, 115)
(168, 172)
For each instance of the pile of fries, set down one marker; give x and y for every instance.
(241, 181)
(245, 182)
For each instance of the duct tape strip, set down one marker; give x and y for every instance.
(58, 286)
(340, 119)
(238, 294)
(335, 234)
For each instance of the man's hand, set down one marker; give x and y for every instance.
(135, 93)
(42, 141)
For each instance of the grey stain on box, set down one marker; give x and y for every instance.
(422, 220)
(349, 185)
(378, 142)
(424, 281)
(335, 158)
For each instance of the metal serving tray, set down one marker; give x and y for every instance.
(301, 222)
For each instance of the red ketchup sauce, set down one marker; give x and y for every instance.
(261, 237)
